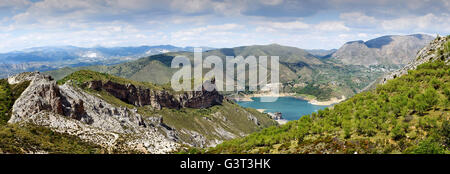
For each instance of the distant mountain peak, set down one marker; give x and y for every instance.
(389, 49)
(356, 41)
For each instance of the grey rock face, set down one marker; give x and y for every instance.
(428, 53)
(68, 109)
(157, 99)
(397, 50)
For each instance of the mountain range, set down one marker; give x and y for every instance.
(300, 71)
(54, 57)
(385, 50)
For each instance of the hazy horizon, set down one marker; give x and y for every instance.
(101, 46)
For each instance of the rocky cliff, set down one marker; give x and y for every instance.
(385, 50)
(139, 96)
(67, 109)
(428, 53)
(85, 113)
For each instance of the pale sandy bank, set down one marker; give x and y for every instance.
(332, 101)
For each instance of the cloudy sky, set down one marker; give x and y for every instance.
(215, 23)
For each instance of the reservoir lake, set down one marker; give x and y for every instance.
(290, 107)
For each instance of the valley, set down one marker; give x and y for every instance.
(219, 86)
(130, 107)
(291, 108)
(300, 72)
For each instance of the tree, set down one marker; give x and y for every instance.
(431, 97)
(435, 83)
(398, 132)
(446, 100)
(419, 104)
(445, 131)
(412, 92)
(367, 127)
(347, 126)
(429, 146)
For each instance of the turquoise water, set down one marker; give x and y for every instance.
(291, 108)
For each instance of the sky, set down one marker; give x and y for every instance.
(308, 24)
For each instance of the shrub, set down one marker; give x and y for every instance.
(428, 146)
(398, 132)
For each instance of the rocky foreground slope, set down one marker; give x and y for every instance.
(127, 116)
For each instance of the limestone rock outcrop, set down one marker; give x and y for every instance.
(385, 50)
(428, 53)
(138, 96)
(68, 109)
(92, 112)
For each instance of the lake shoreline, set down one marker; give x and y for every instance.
(332, 101)
(290, 108)
(279, 121)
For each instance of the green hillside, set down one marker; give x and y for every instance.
(83, 76)
(409, 114)
(9, 94)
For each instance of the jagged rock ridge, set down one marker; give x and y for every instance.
(140, 96)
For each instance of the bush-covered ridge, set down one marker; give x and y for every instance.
(82, 76)
(409, 114)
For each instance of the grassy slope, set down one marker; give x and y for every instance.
(37, 139)
(31, 139)
(9, 94)
(229, 116)
(409, 114)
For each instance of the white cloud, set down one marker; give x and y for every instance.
(209, 29)
(189, 20)
(14, 3)
(358, 19)
(271, 2)
(332, 26)
(288, 25)
(429, 22)
(191, 6)
(264, 29)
